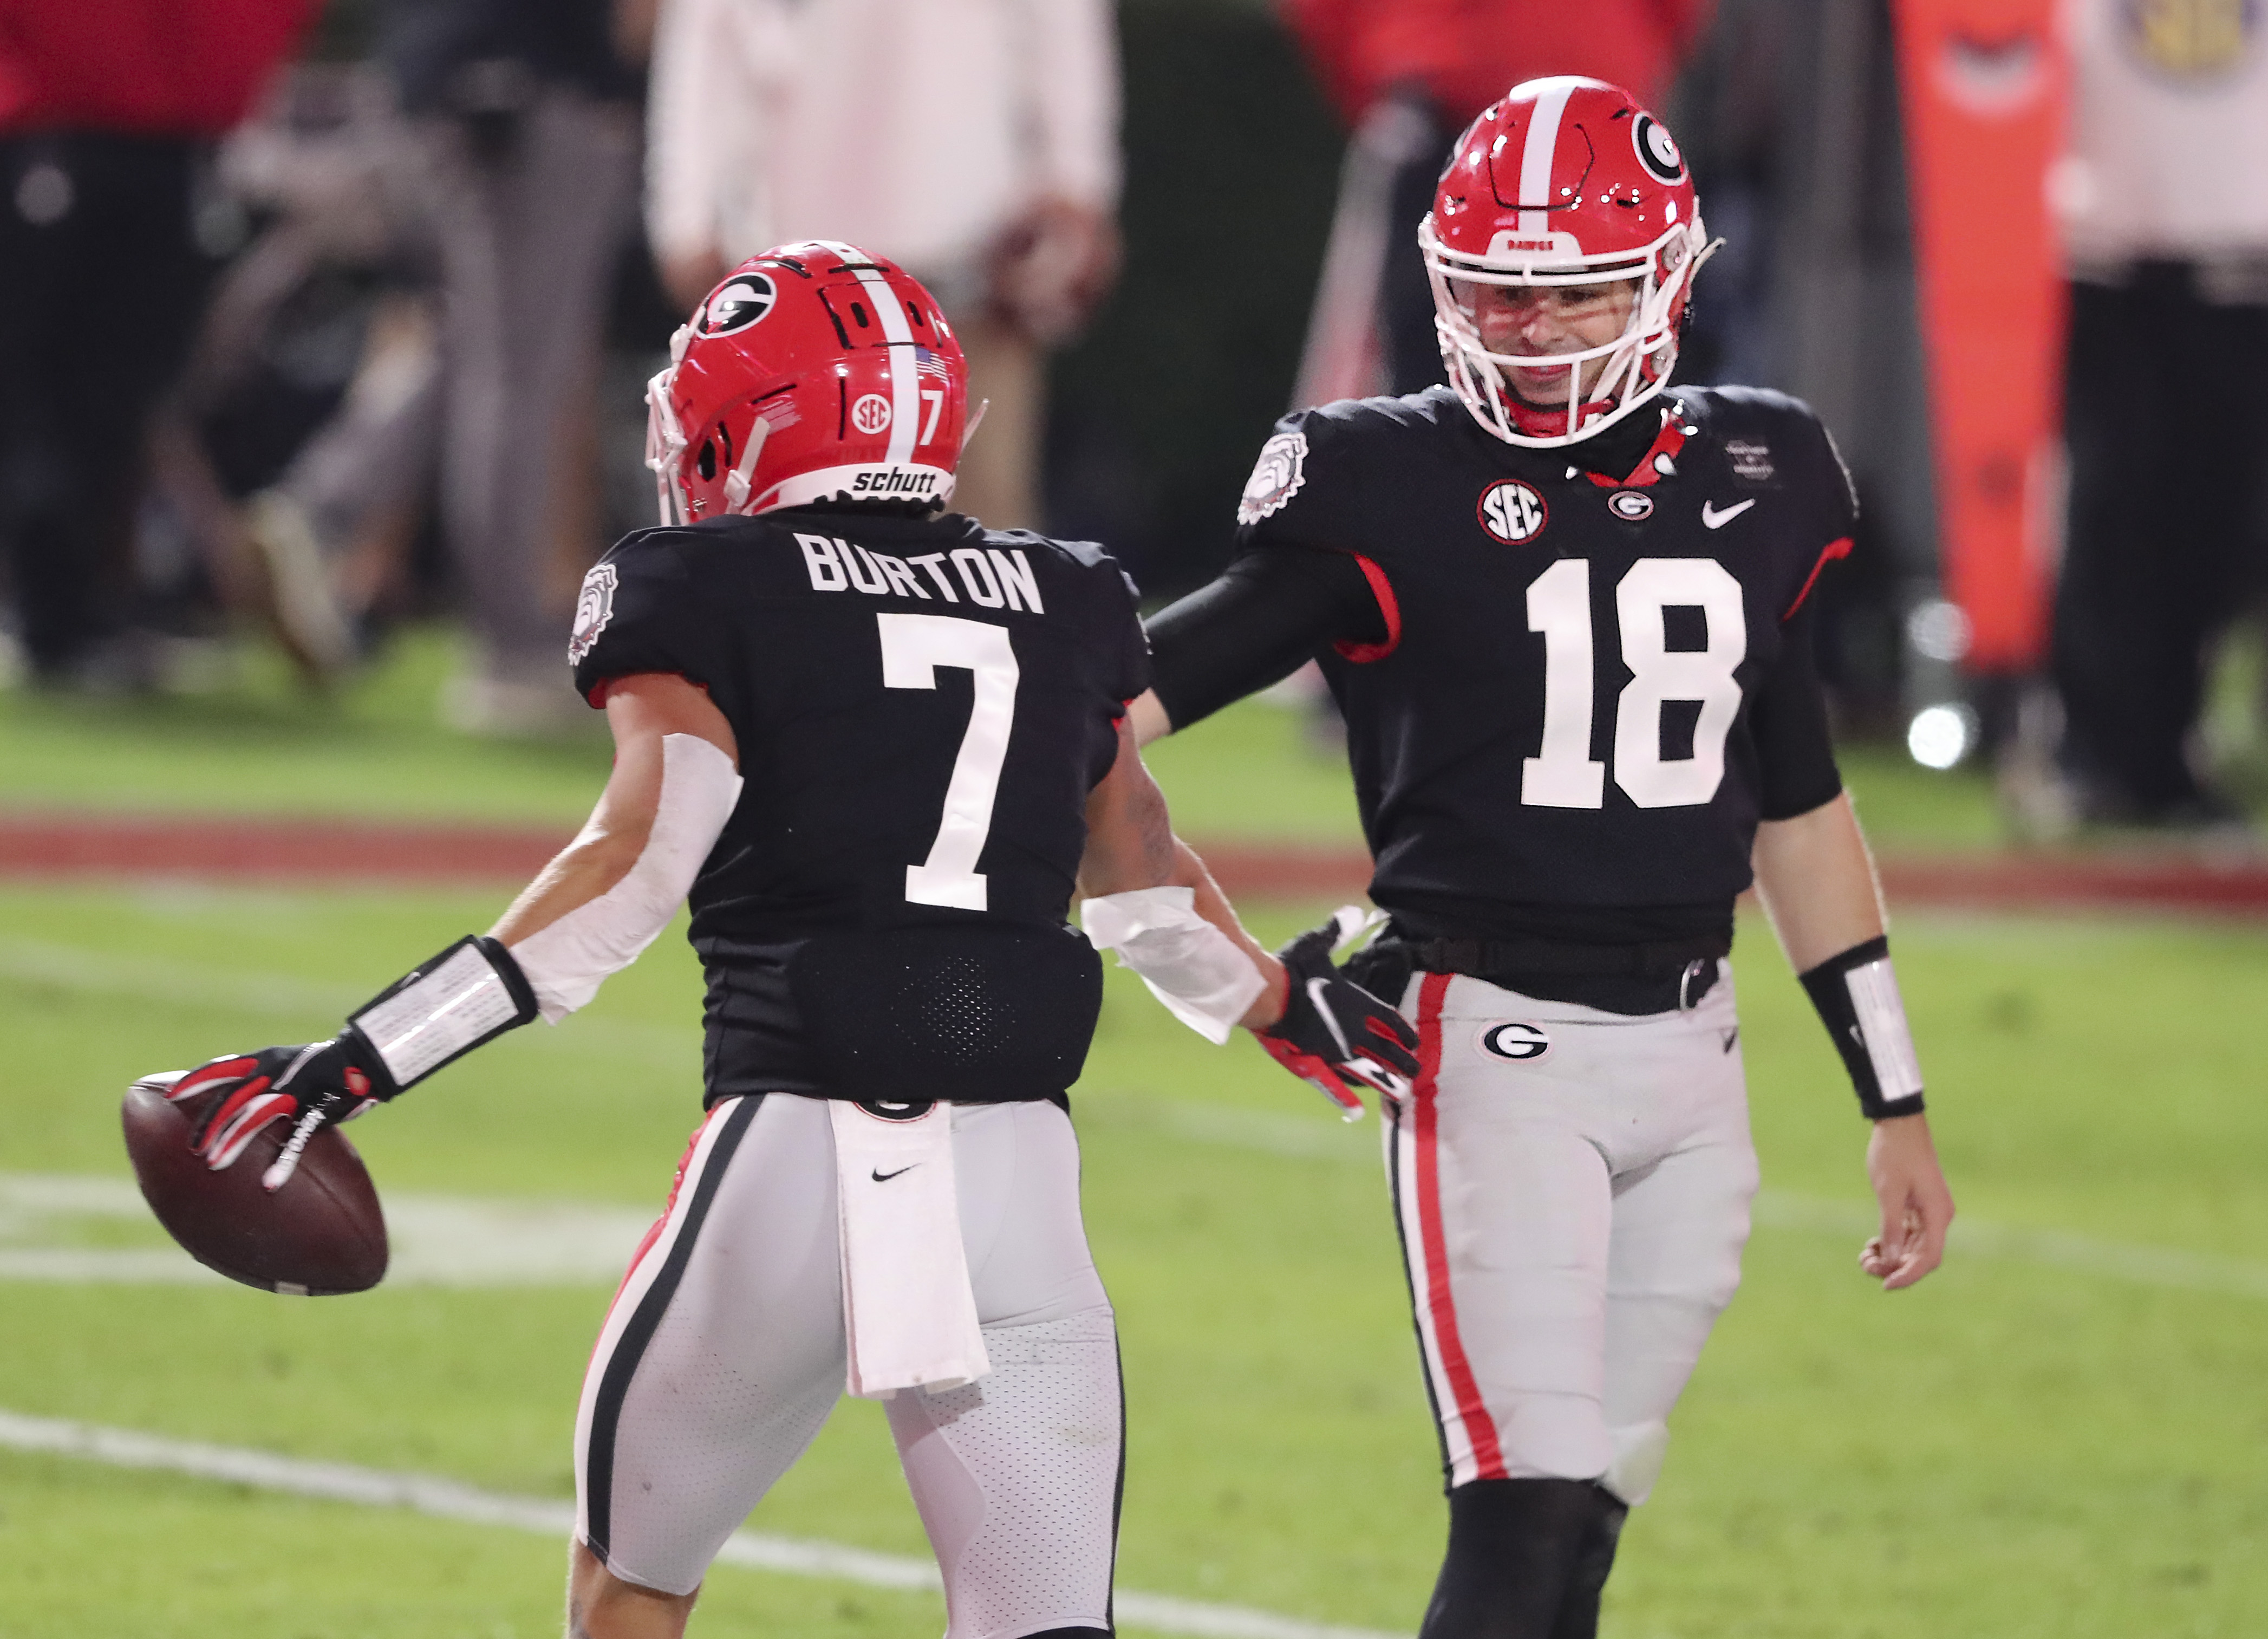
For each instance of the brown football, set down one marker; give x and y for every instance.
(322, 1233)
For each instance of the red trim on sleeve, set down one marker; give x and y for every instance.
(1828, 554)
(1383, 589)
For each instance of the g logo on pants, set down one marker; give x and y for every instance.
(1523, 1043)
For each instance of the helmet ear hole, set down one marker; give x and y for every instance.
(706, 464)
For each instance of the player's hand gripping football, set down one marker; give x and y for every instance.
(1333, 1031)
(312, 1085)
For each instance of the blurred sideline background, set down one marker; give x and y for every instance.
(279, 752)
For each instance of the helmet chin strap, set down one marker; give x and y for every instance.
(975, 422)
(736, 482)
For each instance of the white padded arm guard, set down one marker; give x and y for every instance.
(1204, 977)
(566, 962)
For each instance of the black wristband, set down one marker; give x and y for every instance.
(1856, 996)
(470, 994)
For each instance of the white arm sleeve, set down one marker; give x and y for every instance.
(1204, 977)
(566, 962)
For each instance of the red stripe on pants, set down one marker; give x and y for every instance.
(1480, 1428)
(660, 1224)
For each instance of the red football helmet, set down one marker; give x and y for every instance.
(1566, 182)
(814, 372)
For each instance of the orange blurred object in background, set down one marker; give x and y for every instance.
(1985, 84)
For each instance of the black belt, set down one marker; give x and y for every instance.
(1501, 960)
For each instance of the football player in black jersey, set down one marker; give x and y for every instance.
(1567, 612)
(874, 745)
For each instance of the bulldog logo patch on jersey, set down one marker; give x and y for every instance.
(1513, 512)
(593, 610)
(1276, 478)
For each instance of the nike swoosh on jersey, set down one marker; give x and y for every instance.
(1712, 518)
(880, 1177)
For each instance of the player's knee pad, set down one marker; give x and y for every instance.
(1639, 1448)
(1517, 1552)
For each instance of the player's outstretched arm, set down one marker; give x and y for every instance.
(1150, 899)
(1817, 883)
(589, 912)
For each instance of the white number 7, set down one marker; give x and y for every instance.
(913, 647)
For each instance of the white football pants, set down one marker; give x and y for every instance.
(1571, 1188)
(724, 1352)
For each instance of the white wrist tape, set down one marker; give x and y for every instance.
(566, 962)
(1201, 974)
(1882, 1027)
(448, 1007)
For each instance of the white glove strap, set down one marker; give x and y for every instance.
(1201, 974)
(566, 962)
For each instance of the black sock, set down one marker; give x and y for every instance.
(1578, 1608)
(1516, 1547)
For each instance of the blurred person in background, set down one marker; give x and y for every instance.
(2165, 207)
(296, 457)
(108, 243)
(522, 145)
(974, 141)
(1408, 76)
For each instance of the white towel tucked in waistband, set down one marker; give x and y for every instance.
(907, 1308)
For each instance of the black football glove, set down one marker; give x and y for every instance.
(470, 994)
(312, 1085)
(1333, 1031)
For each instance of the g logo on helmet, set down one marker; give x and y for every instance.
(1657, 149)
(870, 415)
(738, 303)
(1521, 1043)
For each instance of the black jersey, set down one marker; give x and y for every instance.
(1559, 717)
(922, 708)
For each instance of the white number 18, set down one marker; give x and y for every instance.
(1565, 775)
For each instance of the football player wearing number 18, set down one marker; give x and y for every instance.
(875, 746)
(1567, 610)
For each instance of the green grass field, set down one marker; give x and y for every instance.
(2059, 1435)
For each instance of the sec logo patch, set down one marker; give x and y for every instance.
(1521, 1043)
(1513, 512)
(870, 415)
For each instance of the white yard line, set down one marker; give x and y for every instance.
(1320, 1138)
(446, 1499)
(304, 1004)
(438, 1240)
(1317, 1138)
